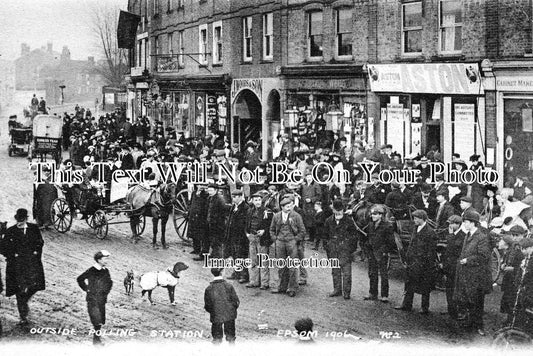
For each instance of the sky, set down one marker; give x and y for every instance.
(62, 22)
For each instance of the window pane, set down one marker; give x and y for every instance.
(315, 23)
(344, 21)
(345, 44)
(413, 41)
(412, 15)
(268, 21)
(451, 12)
(458, 38)
(316, 46)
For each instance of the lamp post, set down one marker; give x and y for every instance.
(62, 87)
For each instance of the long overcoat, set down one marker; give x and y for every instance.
(476, 273)
(43, 197)
(420, 259)
(341, 238)
(24, 269)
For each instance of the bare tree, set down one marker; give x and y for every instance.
(103, 22)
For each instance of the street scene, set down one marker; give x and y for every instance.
(297, 173)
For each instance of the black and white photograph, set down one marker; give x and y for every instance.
(266, 177)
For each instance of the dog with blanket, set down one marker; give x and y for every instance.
(167, 279)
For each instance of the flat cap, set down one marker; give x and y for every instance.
(517, 230)
(378, 208)
(455, 219)
(212, 185)
(237, 192)
(285, 201)
(466, 199)
(421, 214)
(100, 254)
(525, 243)
(472, 216)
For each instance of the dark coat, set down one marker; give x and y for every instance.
(442, 219)
(221, 301)
(264, 216)
(98, 284)
(380, 239)
(341, 238)
(24, 269)
(295, 221)
(476, 273)
(512, 258)
(454, 245)
(44, 196)
(398, 202)
(377, 193)
(236, 225)
(420, 259)
(127, 162)
(216, 217)
(431, 209)
(198, 215)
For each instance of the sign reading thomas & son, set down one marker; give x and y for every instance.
(436, 78)
(255, 85)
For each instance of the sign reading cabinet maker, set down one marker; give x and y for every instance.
(434, 78)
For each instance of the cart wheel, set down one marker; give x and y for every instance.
(509, 338)
(139, 227)
(100, 225)
(180, 214)
(61, 215)
(90, 221)
(495, 264)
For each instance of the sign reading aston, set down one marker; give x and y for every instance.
(435, 78)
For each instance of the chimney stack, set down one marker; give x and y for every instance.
(49, 46)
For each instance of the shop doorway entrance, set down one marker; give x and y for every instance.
(432, 137)
(247, 120)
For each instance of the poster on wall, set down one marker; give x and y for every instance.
(464, 129)
(395, 127)
(212, 112)
(527, 120)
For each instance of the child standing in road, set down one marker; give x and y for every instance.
(96, 281)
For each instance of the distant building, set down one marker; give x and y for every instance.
(28, 66)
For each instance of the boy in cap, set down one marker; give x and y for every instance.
(221, 302)
(96, 281)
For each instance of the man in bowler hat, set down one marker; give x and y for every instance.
(22, 246)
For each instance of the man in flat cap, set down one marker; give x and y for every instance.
(444, 210)
(454, 245)
(286, 229)
(96, 281)
(473, 275)
(378, 244)
(235, 241)
(420, 261)
(22, 247)
(216, 220)
(466, 205)
(340, 241)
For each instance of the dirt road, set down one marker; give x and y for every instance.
(62, 304)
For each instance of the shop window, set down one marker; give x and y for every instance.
(202, 44)
(518, 139)
(451, 23)
(344, 32)
(247, 38)
(217, 42)
(315, 34)
(268, 34)
(412, 28)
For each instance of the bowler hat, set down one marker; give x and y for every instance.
(338, 205)
(472, 216)
(21, 214)
(517, 230)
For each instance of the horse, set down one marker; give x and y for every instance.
(156, 203)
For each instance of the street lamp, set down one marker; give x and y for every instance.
(62, 87)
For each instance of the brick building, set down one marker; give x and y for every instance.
(454, 74)
(28, 66)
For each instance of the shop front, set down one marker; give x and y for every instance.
(256, 114)
(195, 105)
(325, 103)
(514, 117)
(422, 106)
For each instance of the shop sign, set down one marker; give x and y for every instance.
(464, 112)
(323, 84)
(255, 85)
(516, 84)
(142, 85)
(435, 78)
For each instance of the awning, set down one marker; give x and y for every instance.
(430, 78)
(127, 29)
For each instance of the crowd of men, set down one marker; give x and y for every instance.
(278, 219)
